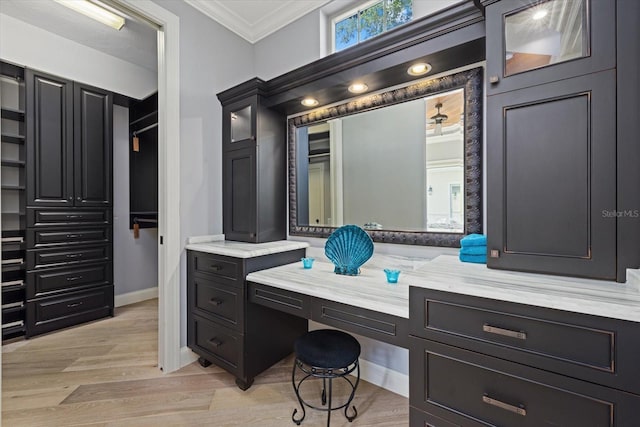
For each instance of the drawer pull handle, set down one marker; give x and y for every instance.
(215, 267)
(507, 407)
(73, 236)
(76, 304)
(215, 342)
(74, 256)
(73, 216)
(215, 302)
(72, 278)
(504, 332)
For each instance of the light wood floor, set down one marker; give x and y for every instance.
(104, 374)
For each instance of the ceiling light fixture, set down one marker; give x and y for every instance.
(539, 14)
(95, 11)
(419, 69)
(358, 88)
(310, 102)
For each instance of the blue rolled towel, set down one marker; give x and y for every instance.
(473, 250)
(478, 259)
(474, 240)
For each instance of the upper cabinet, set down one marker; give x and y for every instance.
(532, 43)
(69, 143)
(551, 137)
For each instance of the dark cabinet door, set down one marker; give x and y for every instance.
(93, 127)
(239, 193)
(49, 140)
(552, 178)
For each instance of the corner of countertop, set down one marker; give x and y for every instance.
(205, 239)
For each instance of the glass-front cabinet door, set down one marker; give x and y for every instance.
(531, 43)
(239, 126)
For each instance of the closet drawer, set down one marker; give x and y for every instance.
(220, 302)
(42, 258)
(55, 237)
(484, 390)
(52, 281)
(47, 314)
(217, 266)
(47, 217)
(221, 345)
(587, 347)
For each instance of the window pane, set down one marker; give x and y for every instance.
(398, 12)
(346, 32)
(371, 21)
(544, 34)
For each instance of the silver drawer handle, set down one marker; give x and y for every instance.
(71, 279)
(215, 267)
(74, 256)
(215, 342)
(504, 332)
(73, 236)
(74, 304)
(73, 216)
(216, 302)
(507, 407)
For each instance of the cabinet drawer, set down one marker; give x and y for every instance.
(418, 418)
(482, 390)
(218, 266)
(280, 299)
(587, 347)
(47, 314)
(47, 282)
(222, 302)
(40, 258)
(376, 325)
(55, 237)
(43, 217)
(217, 344)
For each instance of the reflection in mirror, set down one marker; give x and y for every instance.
(544, 34)
(405, 167)
(409, 172)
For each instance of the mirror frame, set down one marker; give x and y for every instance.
(471, 81)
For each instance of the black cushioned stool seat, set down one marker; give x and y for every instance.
(326, 354)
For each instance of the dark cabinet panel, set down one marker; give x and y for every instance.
(49, 140)
(219, 267)
(93, 128)
(218, 301)
(47, 217)
(56, 280)
(37, 258)
(551, 177)
(239, 194)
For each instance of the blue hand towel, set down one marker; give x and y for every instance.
(473, 250)
(474, 240)
(478, 259)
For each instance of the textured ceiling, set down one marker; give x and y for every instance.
(255, 19)
(134, 43)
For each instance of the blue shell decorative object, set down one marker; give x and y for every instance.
(348, 248)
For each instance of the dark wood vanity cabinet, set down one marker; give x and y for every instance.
(223, 328)
(551, 137)
(477, 362)
(254, 164)
(69, 244)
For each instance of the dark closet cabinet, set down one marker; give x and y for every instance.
(551, 137)
(69, 244)
(253, 169)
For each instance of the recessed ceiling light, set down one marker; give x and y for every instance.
(310, 102)
(94, 11)
(540, 13)
(358, 87)
(419, 69)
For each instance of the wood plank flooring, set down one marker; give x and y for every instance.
(105, 374)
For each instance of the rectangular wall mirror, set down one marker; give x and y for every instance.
(404, 164)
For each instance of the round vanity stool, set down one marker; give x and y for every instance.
(326, 354)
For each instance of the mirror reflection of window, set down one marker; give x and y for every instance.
(546, 33)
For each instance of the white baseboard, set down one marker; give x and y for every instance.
(386, 378)
(187, 356)
(135, 296)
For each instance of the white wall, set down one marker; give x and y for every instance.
(135, 261)
(30, 46)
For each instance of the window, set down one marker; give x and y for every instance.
(368, 21)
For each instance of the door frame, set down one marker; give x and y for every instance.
(170, 245)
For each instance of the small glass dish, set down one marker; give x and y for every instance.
(392, 275)
(307, 262)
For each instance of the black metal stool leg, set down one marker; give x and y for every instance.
(329, 407)
(296, 389)
(324, 391)
(353, 392)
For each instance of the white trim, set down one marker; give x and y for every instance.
(385, 378)
(136, 296)
(187, 356)
(168, 181)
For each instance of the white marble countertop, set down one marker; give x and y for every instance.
(219, 246)
(587, 296)
(369, 290)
